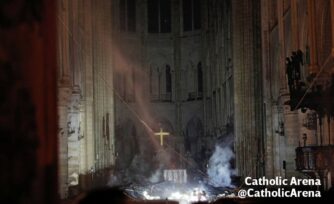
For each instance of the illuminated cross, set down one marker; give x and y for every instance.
(161, 134)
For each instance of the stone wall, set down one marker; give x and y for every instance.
(85, 99)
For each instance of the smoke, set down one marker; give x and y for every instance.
(156, 176)
(219, 170)
(131, 80)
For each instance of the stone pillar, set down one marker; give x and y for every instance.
(64, 94)
(88, 87)
(73, 143)
(63, 42)
(294, 25)
(292, 134)
(247, 84)
(313, 68)
(267, 155)
(176, 28)
(102, 81)
(82, 140)
(281, 43)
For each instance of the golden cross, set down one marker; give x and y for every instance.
(161, 134)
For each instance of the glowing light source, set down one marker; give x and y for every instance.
(161, 134)
(190, 196)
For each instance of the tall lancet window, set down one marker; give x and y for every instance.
(168, 79)
(199, 79)
(191, 15)
(159, 16)
(127, 15)
(168, 83)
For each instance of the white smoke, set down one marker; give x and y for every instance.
(219, 169)
(156, 176)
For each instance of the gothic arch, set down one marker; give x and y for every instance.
(161, 81)
(168, 79)
(126, 143)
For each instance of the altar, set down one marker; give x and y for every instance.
(178, 176)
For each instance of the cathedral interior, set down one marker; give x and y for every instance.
(159, 98)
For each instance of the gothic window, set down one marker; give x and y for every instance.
(153, 16)
(159, 16)
(128, 15)
(122, 15)
(199, 78)
(168, 79)
(191, 15)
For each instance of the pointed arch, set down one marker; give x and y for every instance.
(167, 92)
(168, 79)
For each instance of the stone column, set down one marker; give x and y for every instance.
(267, 154)
(102, 78)
(88, 88)
(247, 84)
(313, 68)
(63, 41)
(294, 25)
(73, 142)
(64, 94)
(176, 28)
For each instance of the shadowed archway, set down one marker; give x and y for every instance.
(194, 132)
